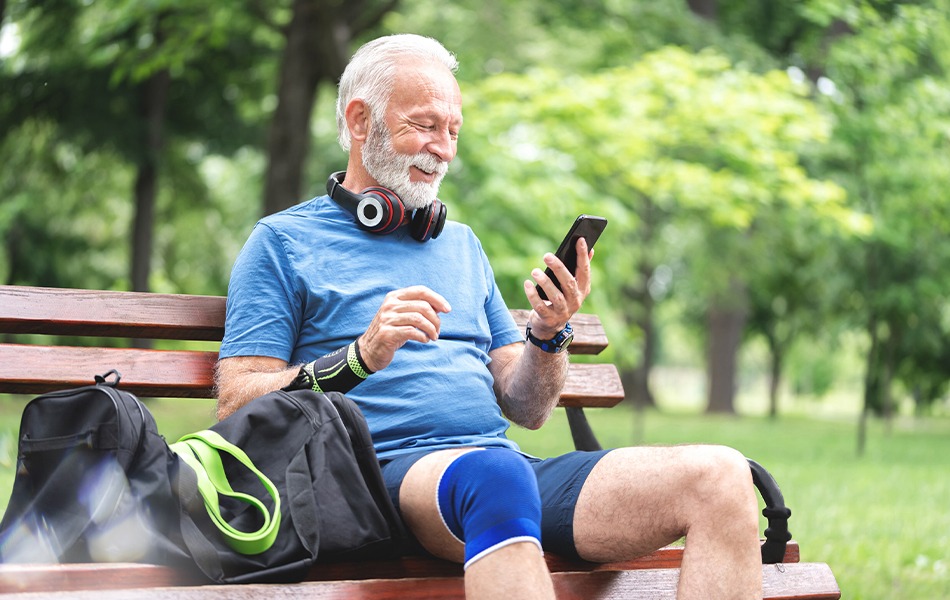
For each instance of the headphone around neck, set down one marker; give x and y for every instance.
(381, 211)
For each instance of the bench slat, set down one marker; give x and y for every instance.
(668, 557)
(596, 386)
(589, 334)
(31, 369)
(62, 311)
(87, 576)
(812, 581)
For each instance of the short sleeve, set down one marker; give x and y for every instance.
(263, 309)
(502, 325)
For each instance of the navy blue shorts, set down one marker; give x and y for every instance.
(560, 480)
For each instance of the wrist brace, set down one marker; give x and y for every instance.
(338, 371)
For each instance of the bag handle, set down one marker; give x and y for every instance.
(104, 378)
(201, 451)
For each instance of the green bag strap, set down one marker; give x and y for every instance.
(213, 483)
(201, 452)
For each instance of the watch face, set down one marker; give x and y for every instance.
(564, 339)
(567, 339)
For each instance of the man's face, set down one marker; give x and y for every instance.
(409, 149)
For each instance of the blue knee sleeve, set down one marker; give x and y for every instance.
(488, 499)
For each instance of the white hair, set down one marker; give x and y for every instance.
(372, 70)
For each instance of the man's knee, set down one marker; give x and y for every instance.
(490, 499)
(722, 483)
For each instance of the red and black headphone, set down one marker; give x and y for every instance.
(379, 210)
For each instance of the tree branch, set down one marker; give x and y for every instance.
(258, 10)
(367, 21)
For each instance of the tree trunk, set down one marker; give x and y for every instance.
(288, 140)
(726, 320)
(317, 50)
(707, 9)
(146, 184)
(775, 374)
(871, 385)
(154, 102)
(889, 366)
(636, 381)
(863, 430)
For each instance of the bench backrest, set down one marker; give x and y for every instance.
(32, 365)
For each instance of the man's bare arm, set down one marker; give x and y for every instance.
(406, 314)
(528, 382)
(240, 379)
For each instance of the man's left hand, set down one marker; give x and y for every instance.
(551, 315)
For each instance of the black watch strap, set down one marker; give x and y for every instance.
(558, 343)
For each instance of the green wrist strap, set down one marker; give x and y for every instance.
(201, 452)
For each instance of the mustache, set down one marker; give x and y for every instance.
(430, 164)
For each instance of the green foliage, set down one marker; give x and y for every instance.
(64, 217)
(84, 66)
(578, 36)
(81, 78)
(698, 154)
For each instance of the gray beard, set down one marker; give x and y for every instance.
(391, 169)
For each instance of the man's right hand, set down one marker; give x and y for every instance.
(411, 313)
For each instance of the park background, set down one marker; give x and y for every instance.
(776, 270)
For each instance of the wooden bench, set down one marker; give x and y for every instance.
(27, 367)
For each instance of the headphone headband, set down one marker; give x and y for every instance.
(381, 211)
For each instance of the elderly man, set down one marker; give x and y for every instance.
(369, 291)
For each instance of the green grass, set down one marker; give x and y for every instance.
(880, 521)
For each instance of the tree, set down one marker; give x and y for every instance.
(795, 292)
(116, 77)
(889, 105)
(891, 151)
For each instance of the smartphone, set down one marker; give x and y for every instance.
(588, 227)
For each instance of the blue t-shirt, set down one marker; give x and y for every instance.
(309, 281)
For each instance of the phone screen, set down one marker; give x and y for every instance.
(588, 227)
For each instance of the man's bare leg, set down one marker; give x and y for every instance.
(512, 572)
(636, 500)
(515, 571)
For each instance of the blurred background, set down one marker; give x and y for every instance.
(775, 274)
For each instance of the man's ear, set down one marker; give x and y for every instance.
(357, 119)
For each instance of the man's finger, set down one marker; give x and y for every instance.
(421, 292)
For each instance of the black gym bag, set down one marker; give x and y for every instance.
(95, 482)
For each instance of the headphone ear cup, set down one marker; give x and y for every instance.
(439, 217)
(379, 210)
(427, 223)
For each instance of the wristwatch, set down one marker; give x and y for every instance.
(558, 343)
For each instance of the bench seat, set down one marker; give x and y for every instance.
(650, 576)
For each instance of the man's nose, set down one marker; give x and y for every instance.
(442, 145)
